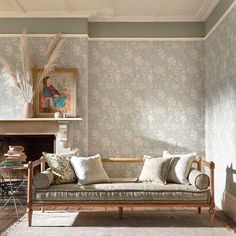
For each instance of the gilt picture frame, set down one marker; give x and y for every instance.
(57, 92)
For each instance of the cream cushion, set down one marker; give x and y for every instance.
(89, 170)
(179, 167)
(155, 169)
(60, 165)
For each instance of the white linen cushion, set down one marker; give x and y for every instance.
(155, 169)
(89, 170)
(179, 167)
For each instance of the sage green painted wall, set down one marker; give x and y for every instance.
(146, 29)
(44, 25)
(216, 14)
(101, 29)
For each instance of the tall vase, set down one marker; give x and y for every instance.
(28, 110)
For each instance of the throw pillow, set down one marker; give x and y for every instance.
(61, 167)
(155, 169)
(89, 170)
(179, 167)
(198, 179)
(43, 179)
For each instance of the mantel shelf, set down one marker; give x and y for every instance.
(42, 119)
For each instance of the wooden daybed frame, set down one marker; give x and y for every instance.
(200, 163)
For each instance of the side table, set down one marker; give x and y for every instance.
(7, 186)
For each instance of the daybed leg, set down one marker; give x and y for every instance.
(120, 212)
(30, 213)
(42, 209)
(212, 216)
(199, 210)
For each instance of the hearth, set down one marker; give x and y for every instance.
(34, 144)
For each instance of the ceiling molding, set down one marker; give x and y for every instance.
(38, 15)
(64, 5)
(94, 17)
(177, 18)
(107, 11)
(206, 9)
(145, 39)
(18, 6)
(45, 35)
(156, 11)
(113, 6)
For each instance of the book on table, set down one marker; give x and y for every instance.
(14, 156)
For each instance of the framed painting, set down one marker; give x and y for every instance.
(57, 92)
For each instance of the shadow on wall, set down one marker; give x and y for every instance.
(230, 183)
(229, 197)
(156, 147)
(135, 147)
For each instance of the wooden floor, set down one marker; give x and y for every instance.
(8, 214)
(8, 217)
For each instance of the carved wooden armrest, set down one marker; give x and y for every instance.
(211, 166)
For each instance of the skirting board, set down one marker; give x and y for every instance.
(229, 205)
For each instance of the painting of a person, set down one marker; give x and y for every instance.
(52, 99)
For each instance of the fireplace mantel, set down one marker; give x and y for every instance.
(41, 119)
(61, 128)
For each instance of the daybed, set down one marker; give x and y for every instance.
(124, 190)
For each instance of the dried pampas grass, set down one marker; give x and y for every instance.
(8, 73)
(23, 79)
(54, 50)
(27, 58)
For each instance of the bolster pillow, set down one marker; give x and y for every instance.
(199, 179)
(43, 179)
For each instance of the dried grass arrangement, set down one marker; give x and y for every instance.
(23, 78)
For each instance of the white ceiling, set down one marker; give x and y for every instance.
(111, 10)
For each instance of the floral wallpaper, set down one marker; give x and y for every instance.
(145, 96)
(141, 97)
(221, 104)
(75, 55)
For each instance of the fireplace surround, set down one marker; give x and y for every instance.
(33, 145)
(60, 133)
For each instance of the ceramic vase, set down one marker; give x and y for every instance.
(28, 110)
(58, 115)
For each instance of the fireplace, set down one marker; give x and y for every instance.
(34, 145)
(59, 133)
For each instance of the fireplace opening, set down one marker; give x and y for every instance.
(33, 145)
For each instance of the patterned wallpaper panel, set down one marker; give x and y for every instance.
(144, 97)
(221, 104)
(75, 55)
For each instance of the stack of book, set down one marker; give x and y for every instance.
(14, 156)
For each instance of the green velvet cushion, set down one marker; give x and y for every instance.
(109, 192)
(43, 179)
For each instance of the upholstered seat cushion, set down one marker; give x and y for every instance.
(118, 192)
